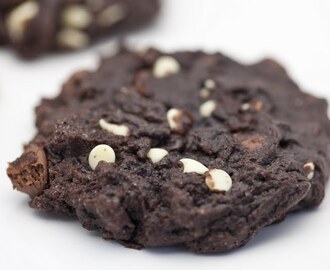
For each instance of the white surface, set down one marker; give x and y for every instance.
(295, 32)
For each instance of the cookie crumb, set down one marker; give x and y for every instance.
(179, 121)
(72, 39)
(156, 154)
(207, 108)
(18, 18)
(309, 168)
(76, 16)
(165, 66)
(218, 180)
(119, 130)
(101, 152)
(193, 166)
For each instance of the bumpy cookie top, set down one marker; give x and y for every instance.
(190, 148)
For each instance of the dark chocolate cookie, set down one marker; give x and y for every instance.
(33, 27)
(191, 149)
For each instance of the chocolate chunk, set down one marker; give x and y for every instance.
(29, 172)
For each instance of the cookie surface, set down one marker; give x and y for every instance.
(33, 27)
(189, 148)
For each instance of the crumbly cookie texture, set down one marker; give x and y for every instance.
(144, 159)
(29, 173)
(34, 27)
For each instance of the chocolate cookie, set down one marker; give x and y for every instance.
(192, 149)
(34, 27)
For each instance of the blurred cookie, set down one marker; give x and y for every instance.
(34, 27)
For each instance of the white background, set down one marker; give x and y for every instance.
(295, 32)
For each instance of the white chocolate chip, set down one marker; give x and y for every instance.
(193, 166)
(179, 121)
(309, 168)
(18, 17)
(310, 176)
(72, 39)
(111, 15)
(165, 66)
(76, 16)
(172, 117)
(218, 180)
(207, 108)
(119, 130)
(245, 107)
(156, 154)
(204, 93)
(102, 152)
(209, 84)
